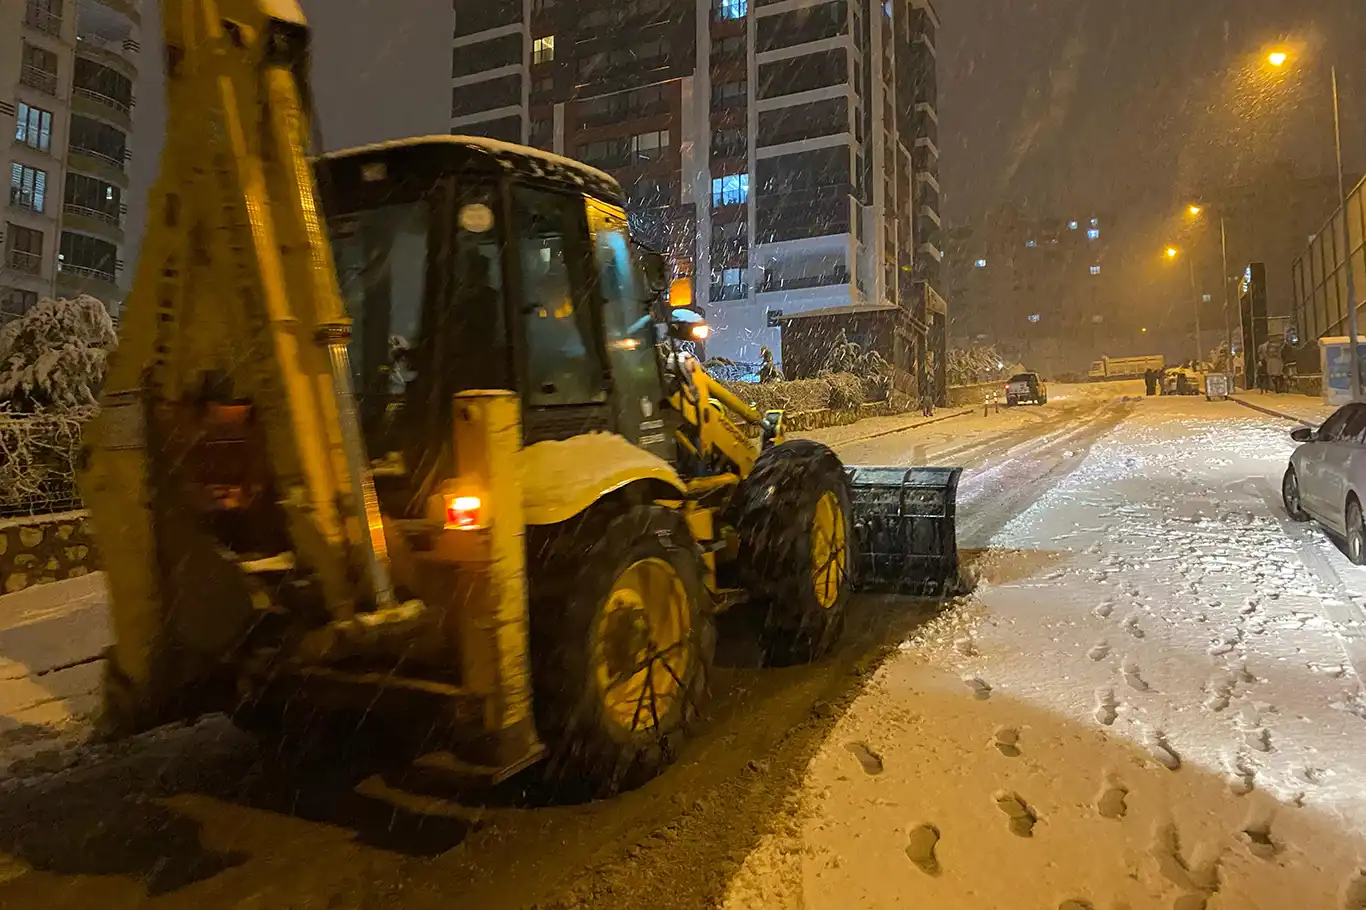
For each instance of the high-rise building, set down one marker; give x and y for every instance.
(67, 69)
(784, 151)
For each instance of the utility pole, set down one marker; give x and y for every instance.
(1347, 247)
(1195, 292)
(1228, 322)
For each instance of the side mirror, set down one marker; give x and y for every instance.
(655, 269)
(1303, 434)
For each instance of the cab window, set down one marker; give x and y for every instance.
(563, 364)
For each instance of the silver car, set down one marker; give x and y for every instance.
(1326, 479)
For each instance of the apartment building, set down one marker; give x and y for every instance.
(784, 151)
(67, 69)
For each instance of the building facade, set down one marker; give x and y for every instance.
(783, 151)
(1320, 304)
(1045, 292)
(67, 69)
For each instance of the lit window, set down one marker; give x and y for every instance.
(1093, 234)
(1071, 225)
(650, 146)
(1033, 317)
(27, 187)
(1095, 270)
(1095, 222)
(543, 49)
(1031, 243)
(731, 190)
(731, 9)
(980, 263)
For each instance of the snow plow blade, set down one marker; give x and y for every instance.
(905, 527)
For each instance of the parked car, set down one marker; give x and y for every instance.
(1026, 387)
(1326, 478)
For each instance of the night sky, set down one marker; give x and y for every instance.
(1057, 105)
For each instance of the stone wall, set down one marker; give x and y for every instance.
(45, 548)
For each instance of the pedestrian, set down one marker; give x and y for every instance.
(1275, 369)
(1150, 381)
(927, 400)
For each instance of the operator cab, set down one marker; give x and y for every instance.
(467, 263)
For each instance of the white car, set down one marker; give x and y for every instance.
(1326, 479)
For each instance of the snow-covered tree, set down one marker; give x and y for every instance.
(54, 356)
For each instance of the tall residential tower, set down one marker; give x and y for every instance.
(784, 152)
(67, 69)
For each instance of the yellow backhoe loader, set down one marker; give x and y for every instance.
(388, 431)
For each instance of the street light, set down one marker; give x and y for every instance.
(1196, 210)
(1172, 253)
(1278, 58)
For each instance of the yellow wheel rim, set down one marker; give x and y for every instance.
(641, 645)
(829, 550)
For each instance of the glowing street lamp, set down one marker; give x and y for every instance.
(1194, 210)
(1277, 58)
(1172, 252)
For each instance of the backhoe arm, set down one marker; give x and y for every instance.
(233, 335)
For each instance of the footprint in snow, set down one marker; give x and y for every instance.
(1104, 609)
(1220, 693)
(1112, 802)
(1134, 678)
(1195, 901)
(1131, 626)
(1259, 739)
(980, 690)
(1242, 776)
(920, 844)
(1164, 753)
(1106, 706)
(1257, 836)
(1008, 742)
(1076, 903)
(869, 760)
(1099, 651)
(1354, 892)
(1022, 818)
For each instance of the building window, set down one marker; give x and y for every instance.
(39, 69)
(543, 49)
(33, 127)
(980, 263)
(25, 253)
(729, 143)
(731, 190)
(540, 6)
(15, 302)
(650, 146)
(1095, 270)
(1031, 243)
(734, 46)
(27, 187)
(729, 94)
(730, 9)
(543, 86)
(543, 133)
(1095, 222)
(1072, 225)
(88, 256)
(728, 284)
(1093, 234)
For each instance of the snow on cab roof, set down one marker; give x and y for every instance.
(554, 165)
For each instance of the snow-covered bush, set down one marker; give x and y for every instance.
(54, 356)
(969, 366)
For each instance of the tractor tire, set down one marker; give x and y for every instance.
(622, 642)
(793, 517)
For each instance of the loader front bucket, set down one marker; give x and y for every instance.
(905, 529)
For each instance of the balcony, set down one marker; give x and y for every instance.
(86, 272)
(119, 54)
(800, 282)
(99, 164)
(96, 222)
(41, 80)
(43, 20)
(96, 104)
(28, 263)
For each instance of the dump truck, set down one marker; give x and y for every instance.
(1125, 367)
(387, 433)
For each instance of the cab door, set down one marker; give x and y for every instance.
(629, 335)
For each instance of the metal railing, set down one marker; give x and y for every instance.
(37, 78)
(44, 20)
(84, 211)
(83, 271)
(21, 261)
(98, 155)
(800, 282)
(122, 107)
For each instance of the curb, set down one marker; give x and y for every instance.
(903, 429)
(1268, 411)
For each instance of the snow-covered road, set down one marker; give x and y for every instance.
(1152, 701)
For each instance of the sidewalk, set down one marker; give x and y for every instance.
(51, 637)
(1299, 408)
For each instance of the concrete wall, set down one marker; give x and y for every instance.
(44, 549)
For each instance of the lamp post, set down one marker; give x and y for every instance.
(1196, 211)
(1172, 253)
(1278, 59)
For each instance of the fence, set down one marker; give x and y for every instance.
(38, 458)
